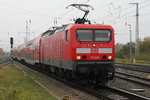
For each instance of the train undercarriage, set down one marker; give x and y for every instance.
(83, 74)
(97, 73)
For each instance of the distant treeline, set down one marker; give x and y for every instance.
(1, 51)
(122, 50)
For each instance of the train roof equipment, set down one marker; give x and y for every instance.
(85, 8)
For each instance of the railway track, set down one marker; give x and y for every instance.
(101, 91)
(3, 61)
(133, 78)
(139, 68)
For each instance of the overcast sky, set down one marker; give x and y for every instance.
(42, 13)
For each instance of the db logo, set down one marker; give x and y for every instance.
(94, 50)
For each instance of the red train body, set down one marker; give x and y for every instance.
(84, 52)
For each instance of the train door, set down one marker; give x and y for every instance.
(41, 52)
(36, 53)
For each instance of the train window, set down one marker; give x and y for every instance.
(67, 36)
(84, 35)
(102, 35)
(90, 35)
(46, 34)
(31, 42)
(51, 32)
(59, 30)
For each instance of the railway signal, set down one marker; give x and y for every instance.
(11, 42)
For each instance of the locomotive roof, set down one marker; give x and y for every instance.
(88, 26)
(56, 29)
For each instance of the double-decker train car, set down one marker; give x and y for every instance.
(76, 51)
(30, 51)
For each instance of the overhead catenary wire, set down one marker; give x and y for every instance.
(66, 15)
(45, 14)
(71, 10)
(24, 10)
(55, 9)
(120, 10)
(32, 12)
(122, 16)
(56, 18)
(143, 26)
(75, 12)
(129, 12)
(108, 4)
(116, 8)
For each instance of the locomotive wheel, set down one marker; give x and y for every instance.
(61, 73)
(44, 67)
(111, 76)
(68, 75)
(56, 71)
(104, 77)
(84, 82)
(104, 81)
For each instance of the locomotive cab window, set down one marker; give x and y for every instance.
(67, 36)
(102, 35)
(84, 35)
(91, 35)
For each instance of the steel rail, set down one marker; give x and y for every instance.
(134, 79)
(101, 91)
(145, 69)
(125, 95)
(129, 75)
(5, 61)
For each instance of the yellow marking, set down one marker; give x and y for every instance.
(148, 76)
(123, 61)
(65, 97)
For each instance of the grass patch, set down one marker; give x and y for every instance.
(15, 86)
(143, 57)
(138, 62)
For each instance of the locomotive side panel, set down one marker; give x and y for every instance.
(66, 58)
(55, 48)
(45, 43)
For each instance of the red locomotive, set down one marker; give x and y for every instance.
(76, 51)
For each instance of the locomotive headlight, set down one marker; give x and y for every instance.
(78, 57)
(109, 57)
(94, 45)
